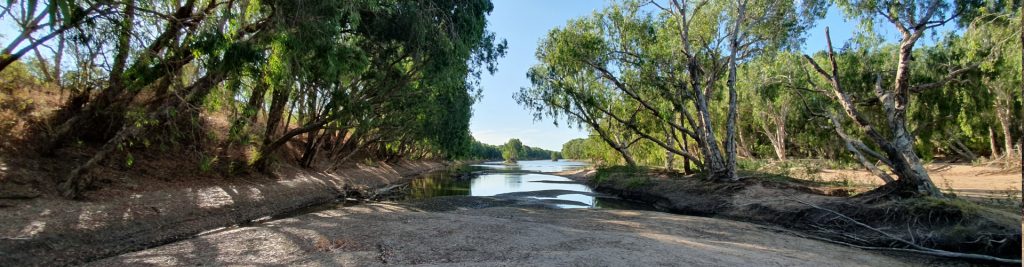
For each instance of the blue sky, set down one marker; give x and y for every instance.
(497, 117)
(523, 23)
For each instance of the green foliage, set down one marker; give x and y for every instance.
(597, 151)
(619, 73)
(16, 76)
(574, 149)
(954, 207)
(749, 164)
(630, 176)
(129, 160)
(207, 162)
(638, 181)
(481, 151)
(535, 153)
(393, 79)
(780, 104)
(511, 150)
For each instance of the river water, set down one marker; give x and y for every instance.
(518, 181)
(494, 179)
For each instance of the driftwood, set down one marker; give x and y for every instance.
(387, 190)
(915, 248)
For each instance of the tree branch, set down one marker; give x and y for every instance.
(916, 248)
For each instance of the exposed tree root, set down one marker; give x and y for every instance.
(915, 248)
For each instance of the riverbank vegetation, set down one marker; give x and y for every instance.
(514, 150)
(181, 109)
(717, 83)
(823, 210)
(724, 92)
(240, 85)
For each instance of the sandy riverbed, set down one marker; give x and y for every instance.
(387, 233)
(52, 231)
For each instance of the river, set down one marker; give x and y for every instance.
(520, 180)
(523, 181)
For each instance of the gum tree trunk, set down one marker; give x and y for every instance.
(776, 136)
(730, 123)
(992, 143)
(898, 145)
(277, 105)
(1003, 113)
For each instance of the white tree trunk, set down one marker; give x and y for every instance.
(1003, 113)
(898, 146)
(992, 143)
(730, 123)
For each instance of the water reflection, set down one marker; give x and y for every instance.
(436, 185)
(504, 183)
(563, 192)
(512, 181)
(535, 165)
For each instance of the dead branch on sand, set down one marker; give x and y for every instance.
(915, 247)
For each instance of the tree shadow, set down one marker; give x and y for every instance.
(381, 233)
(55, 231)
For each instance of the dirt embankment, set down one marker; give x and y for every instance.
(50, 230)
(399, 234)
(948, 224)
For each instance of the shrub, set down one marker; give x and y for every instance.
(749, 164)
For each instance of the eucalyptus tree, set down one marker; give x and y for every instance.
(959, 115)
(397, 77)
(667, 64)
(751, 28)
(584, 100)
(772, 98)
(187, 34)
(399, 56)
(573, 149)
(991, 40)
(482, 151)
(221, 45)
(912, 21)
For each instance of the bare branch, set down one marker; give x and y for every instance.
(852, 145)
(916, 248)
(843, 98)
(948, 78)
(818, 67)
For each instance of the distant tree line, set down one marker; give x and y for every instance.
(482, 151)
(511, 151)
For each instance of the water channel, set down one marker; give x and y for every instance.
(524, 180)
(520, 180)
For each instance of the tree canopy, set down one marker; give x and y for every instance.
(713, 81)
(330, 79)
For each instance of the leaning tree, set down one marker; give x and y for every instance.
(891, 136)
